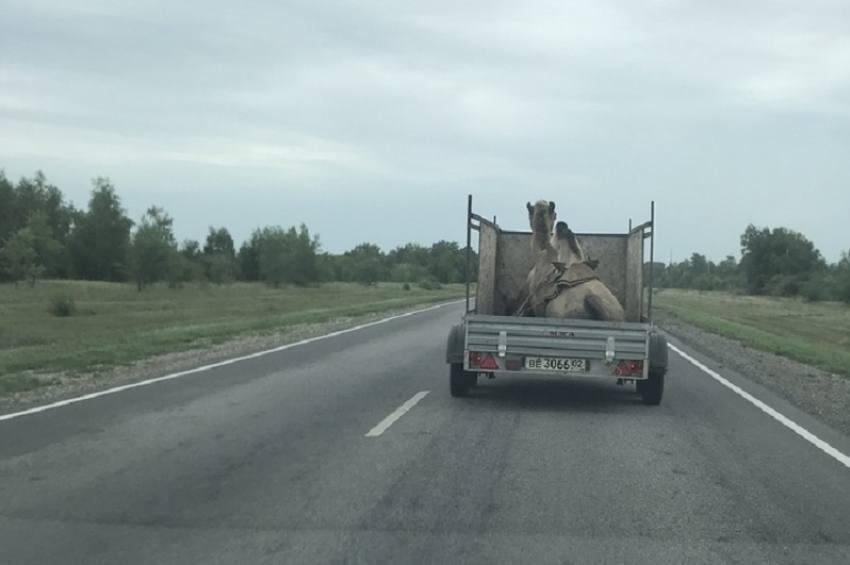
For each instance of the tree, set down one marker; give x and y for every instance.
(249, 258)
(305, 256)
(182, 270)
(447, 261)
(412, 254)
(220, 268)
(366, 263)
(679, 275)
(191, 250)
(100, 237)
(287, 256)
(33, 196)
(409, 263)
(219, 258)
(272, 256)
(699, 264)
(778, 258)
(408, 272)
(325, 267)
(152, 248)
(19, 259)
(843, 277)
(7, 208)
(659, 274)
(48, 250)
(219, 241)
(30, 197)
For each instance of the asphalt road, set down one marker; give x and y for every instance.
(268, 461)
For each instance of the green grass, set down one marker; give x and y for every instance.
(114, 324)
(817, 334)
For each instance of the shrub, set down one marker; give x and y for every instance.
(814, 291)
(405, 286)
(430, 284)
(62, 306)
(784, 286)
(182, 270)
(844, 291)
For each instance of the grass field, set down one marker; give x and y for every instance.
(813, 333)
(114, 324)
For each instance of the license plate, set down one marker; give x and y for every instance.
(555, 364)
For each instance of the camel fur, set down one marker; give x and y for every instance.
(541, 219)
(578, 291)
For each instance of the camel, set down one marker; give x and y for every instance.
(541, 218)
(562, 282)
(580, 293)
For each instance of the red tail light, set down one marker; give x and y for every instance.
(474, 359)
(624, 369)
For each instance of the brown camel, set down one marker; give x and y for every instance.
(541, 218)
(580, 293)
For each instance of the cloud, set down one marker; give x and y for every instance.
(722, 112)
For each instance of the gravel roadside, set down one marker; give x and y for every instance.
(821, 394)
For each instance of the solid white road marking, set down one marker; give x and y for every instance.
(224, 363)
(399, 412)
(793, 426)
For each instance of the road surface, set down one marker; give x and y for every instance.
(350, 450)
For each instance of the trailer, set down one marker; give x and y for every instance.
(492, 340)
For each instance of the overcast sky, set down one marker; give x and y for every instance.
(372, 121)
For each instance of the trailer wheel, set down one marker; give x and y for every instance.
(652, 389)
(460, 381)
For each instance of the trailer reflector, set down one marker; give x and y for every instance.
(489, 363)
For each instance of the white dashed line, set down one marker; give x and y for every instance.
(399, 412)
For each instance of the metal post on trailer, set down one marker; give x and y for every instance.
(468, 247)
(651, 257)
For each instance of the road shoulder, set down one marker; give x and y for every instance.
(823, 395)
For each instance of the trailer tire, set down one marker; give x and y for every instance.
(454, 344)
(658, 352)
(460, 381)
(652, 389)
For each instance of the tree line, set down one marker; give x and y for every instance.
(44, 236)
(775, 262)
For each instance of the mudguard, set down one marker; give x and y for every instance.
(454, 345)
(658, 352)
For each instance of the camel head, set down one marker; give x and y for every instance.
(541, 218)
(567, 245)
